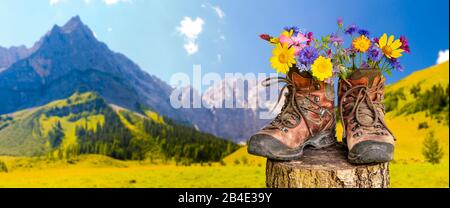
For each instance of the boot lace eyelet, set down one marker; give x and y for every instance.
(317, 86)
(321, 112)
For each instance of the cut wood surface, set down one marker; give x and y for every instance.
(325, 168)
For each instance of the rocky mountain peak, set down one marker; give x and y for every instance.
(74, 25)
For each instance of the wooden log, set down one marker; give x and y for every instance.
(325, 168)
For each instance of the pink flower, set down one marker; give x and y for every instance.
(404, 45)
(297, 41)
(375, 40)
(329, 53)
(265, 37)
(310, 38)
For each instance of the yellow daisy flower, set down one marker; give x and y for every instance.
(322, 68)
(287, 33)
(361, 43)
(389, 47)
(283, 58)
(274, 40)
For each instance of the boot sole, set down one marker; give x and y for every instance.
(371, 152)
(284, 153)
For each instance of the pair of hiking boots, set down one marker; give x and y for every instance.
(308, 118)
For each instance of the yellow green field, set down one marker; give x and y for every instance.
(100, 171)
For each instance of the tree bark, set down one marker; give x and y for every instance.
(325, 168)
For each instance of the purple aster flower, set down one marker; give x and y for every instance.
(293, 28)
(351, 29)
(364, 32)
(301, 66)
(364, 65)
(396, 64)
(350, 51)
(374, 53)
(308, 55)
(340, 22)
(335, 39)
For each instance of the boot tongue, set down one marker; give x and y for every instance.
(301, 79)
(365, 77)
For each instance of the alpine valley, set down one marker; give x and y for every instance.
(70, 94)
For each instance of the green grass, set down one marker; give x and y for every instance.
(419, 175)
(101, 171)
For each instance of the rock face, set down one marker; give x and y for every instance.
(237, 123)
(326, 168)
(10, 55)
(69, 59)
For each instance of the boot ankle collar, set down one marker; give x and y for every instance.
(301, 81)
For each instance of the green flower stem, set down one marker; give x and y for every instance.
(353, 62)
(384, 64)
(360, 59)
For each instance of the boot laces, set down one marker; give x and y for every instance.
(294, 107)
(366, 111)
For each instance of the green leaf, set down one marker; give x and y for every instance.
(388, 71)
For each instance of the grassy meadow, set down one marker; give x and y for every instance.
(102, 171)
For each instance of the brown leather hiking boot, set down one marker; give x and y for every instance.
(306, 118)
(362, 113)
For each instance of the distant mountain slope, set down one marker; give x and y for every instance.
(84, 123)
(70, 59)
(10, 55)
(423, 91)
(434, 75)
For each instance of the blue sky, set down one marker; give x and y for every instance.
(225, 32)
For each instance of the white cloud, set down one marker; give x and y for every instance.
(111, 2)
(109, 29)
(87, 1)
(191, 29)
(219, 11)
(442, 56)
(222, 37)
(54, 2)
(191, 47)
(219, 57)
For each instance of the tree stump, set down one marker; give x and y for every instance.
(325, 168)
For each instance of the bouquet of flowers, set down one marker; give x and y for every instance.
(325, 57)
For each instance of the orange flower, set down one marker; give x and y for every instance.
(361, 43)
